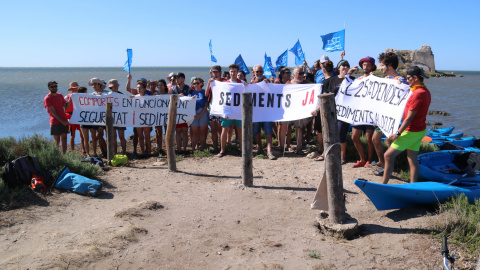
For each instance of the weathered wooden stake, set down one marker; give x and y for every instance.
(333, 165)
(170, 143)
(109, 130)
(247, 139)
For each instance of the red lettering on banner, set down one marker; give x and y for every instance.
(304, 102)
(312, 97)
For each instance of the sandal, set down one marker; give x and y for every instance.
(220, 154)
(319, 158)
(358, 164)
(378, 172)
(343, 161)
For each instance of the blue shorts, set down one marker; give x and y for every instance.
(228, 122)
(267, 127)
(202, 121)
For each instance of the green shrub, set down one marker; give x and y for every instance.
(50, 158)
(461, 223)
(201, 154)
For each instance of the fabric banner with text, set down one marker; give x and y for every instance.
(129, 111)
(271, 102)
(372, 101)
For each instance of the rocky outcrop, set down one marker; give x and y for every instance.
(423, 58)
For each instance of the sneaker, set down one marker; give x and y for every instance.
(271, 156)
(358, 164)
(134, 154)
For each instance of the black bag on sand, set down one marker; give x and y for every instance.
(19, 172)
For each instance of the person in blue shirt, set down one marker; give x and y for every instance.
(199, 124)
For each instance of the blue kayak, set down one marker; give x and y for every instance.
(386, 197)
(464, 142)
(445, 136)
(445, 166)
(440, 131)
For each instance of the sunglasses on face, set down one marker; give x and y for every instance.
(301, 73)
(197, 83)
(54, 86)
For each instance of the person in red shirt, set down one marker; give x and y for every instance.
(73, 127)
(55, 105)
(413, 129)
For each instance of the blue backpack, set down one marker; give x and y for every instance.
(77, 183)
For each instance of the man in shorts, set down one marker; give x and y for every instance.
(228, 123)
(113, 85)
(267, 126)
(215, 121)
(409, 135)
(368, 66)
(299, 124)
(73, 87)
(55, 105)
(388, 63)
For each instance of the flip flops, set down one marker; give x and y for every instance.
(319, 158)
(378, 172)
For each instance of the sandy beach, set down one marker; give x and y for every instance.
(201, 217)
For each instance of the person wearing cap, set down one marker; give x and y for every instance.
(332, 86)
(181, 130)
(327, 69)
(411, 132)
(172, 80)
(134, 91)
(368, 66)
(214, 121)
(73, 88)
(55, 105)
(113, 85)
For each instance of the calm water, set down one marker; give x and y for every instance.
(23, 89)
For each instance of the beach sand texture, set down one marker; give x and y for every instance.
(202, 218)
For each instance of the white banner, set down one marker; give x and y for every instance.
(129, 111)
(271, 102)
(372, 101)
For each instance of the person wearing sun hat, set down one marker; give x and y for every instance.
(409, 135)
(368, 65)
(73, 87)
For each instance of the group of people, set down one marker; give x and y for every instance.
(323, 72)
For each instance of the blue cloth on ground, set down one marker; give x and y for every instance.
(77, 183)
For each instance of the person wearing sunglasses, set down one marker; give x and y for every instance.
(199, 124)
(56, 105)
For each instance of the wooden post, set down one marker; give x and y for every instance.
(169, 141)
(333, 165)
(109, 130)
(247, 139)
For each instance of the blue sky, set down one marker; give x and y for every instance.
(176, 33)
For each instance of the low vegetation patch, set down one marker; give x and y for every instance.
(50, 158)
(461, 224)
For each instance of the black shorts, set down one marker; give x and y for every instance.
(89, 127)
(58, 129)
(317, 126)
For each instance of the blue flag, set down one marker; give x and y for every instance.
(239, 61)
(212, 58)
(334, 41)
(298, 52)
(268, 70)
(128, 64)
(282, 60)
